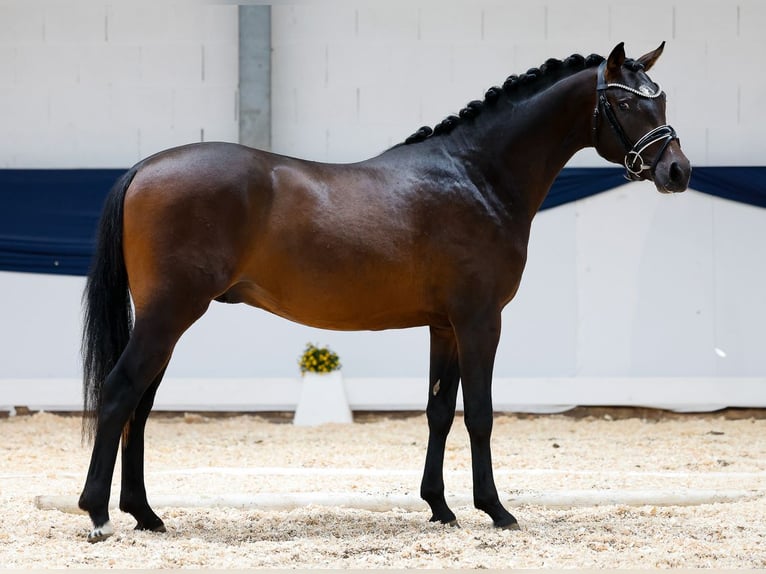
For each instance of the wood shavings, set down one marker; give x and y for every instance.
(41, 454)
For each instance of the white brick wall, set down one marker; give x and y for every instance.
(350, 80)
(95, 85)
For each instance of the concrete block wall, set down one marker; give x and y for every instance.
(97, 85)
(351, 79)
(104, 85)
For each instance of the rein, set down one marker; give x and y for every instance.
(633, 161)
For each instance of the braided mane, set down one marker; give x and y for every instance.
(514, 89)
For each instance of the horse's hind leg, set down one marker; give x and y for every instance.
(122, 391)
(442, 394)
(148, 351)
(133, 490)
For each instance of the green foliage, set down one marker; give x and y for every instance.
(318, 360)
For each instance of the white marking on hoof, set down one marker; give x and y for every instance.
(100, 533)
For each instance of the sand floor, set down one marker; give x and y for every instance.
(194, 458)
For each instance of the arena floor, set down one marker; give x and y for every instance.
(597, 491)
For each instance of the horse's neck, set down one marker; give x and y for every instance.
(524, 147)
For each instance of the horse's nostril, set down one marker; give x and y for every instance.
(676, 173)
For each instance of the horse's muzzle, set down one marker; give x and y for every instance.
(673, 171)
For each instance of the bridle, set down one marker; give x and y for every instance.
(634, 162)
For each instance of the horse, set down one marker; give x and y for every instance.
(431, 232)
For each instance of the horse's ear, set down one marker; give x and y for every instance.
(615, 61)
(649, 59)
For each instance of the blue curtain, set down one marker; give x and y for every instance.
(575, 183)
(742, 184)
(48, 218)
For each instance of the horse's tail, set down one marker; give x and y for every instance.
(108, 316)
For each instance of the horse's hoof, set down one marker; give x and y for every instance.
(448, 518)
(514, 525)
(157, 528)
(100, 533)
(448, 522)
(153, 524)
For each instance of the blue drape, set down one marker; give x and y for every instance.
(48, 218)
(580, 182)
(742, 184)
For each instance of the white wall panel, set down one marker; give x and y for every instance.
(374, 21)
(751, 14)
(171, 64)
(739, 323)
(61, 29)
(692, 18)
(635, 23)
(118, 67)
(40, 329)
(451, 22)
(116, 81)
(21, 23)
(509, 22)
(611, 232)
(145, 24)
(540, 324)
(581, 22)
(441, 55)
(220, 63)
(672, 323)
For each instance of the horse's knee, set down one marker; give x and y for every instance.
(440, 418)
(440, 410)
(478, 424)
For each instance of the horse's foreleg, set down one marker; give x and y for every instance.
(477, 344)
(442, 394)
(133, 490)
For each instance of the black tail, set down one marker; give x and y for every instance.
(108, 316)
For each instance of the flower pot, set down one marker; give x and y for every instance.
(322, 400)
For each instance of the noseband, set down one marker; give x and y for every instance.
(634, 162)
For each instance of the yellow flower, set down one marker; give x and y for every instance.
(318, 360)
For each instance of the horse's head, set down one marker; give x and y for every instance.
(629, 125)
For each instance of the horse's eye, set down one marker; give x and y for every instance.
(624, 106)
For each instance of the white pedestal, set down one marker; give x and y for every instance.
(322, 400)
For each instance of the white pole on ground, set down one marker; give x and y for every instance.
(386, 502)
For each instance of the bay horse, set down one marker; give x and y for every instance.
(432, 232)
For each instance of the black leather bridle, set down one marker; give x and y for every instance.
(634, 162)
